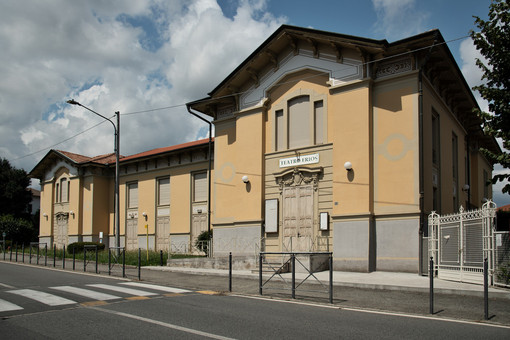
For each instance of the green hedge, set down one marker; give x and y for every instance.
(78, 246)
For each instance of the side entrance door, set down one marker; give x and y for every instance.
(163, 233)
(132, 234)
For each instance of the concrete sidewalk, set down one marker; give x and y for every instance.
(375, 280)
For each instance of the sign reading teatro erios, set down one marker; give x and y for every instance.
(299, 160)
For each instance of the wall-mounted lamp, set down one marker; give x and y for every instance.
(465, 188)
(45, 215)
(71, 213)
(348, 166)
(245, 179)
(144, 214)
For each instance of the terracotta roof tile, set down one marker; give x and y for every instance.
(74, 156)
(504, 208)
(166, 149)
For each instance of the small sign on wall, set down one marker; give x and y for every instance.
(324, 221)
(271, 216)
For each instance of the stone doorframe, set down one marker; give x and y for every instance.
(298, 176)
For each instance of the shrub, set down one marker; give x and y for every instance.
(78, 246)
(201, 243)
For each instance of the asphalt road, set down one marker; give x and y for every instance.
(87, 306)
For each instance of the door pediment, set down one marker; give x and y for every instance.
(298, 176)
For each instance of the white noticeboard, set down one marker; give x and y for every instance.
(499, 240)
(324, 225)
(271, 216)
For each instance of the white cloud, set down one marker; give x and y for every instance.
(472, 73)
(96, 53)
(398, 19)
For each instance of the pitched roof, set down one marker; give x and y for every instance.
(158, 151)
(106, 159)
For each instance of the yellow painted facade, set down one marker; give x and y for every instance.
(363, 148)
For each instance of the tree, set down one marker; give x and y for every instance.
(14, 194)
(493, 42)
(18, 230)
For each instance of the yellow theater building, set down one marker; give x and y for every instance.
(323, 142)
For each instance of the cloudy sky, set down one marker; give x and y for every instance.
(147, 58)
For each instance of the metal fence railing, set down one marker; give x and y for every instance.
(502, 258)
(296, 262)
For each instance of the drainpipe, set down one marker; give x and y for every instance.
(209, 169)
(421, 157)
(468, 179)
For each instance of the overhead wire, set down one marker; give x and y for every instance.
(238, 93)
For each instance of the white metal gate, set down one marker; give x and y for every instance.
(460, 242)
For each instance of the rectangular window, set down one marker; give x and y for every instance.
(132, 195)
(200, 187)
(435, 138)
(486, 184)
(57, 193)
(455, 170)
(319, 121)
(64, 186)
(164, 191)
(435, 200)
(299, 122)
(280, 142)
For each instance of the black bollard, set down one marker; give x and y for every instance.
(330, 278)
(486, 288)
(260, 273)
(293, 261)
(431, 289)
(230, 272)
(139, 262)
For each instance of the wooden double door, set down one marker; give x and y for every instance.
(298, 216)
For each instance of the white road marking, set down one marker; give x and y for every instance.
(6, 306)
(87, 293)
(7, 286)
(425, 317)
(156, 287)
(129, 291)
(163, 324)
(47, 299)
(476, 323)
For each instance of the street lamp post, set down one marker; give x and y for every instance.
(117, 147)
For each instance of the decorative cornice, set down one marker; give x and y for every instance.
(297, 176)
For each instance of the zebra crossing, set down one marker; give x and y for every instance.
(91, 292)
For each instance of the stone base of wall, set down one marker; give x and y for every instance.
(376, 244)
(238, 263)
(240, 240)
(48, 240)
(142, 242)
